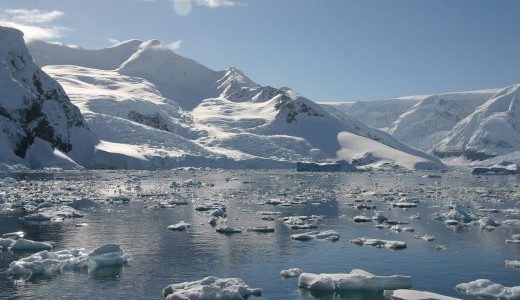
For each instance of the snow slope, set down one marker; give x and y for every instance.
(178, 78)
(428, 121)
(493, 129)
(376, 113)
(365, 152)
(39, 126)
(111, 58)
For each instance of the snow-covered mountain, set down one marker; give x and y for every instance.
(170, 109)
(428, 121)
(39, 126)
(493, 129)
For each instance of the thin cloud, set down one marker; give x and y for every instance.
(32, 16)
(34, 23)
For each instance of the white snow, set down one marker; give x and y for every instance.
(355, 280)
(487, 289)
(211, 288)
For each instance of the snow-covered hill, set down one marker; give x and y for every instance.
(493, 129)
(427, 122)
(164, 107)
(39, 126)
(376, 113)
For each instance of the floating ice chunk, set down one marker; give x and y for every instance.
(22, 244)
(53, 213)
(379, 217)
(515, 223)
(84, 203)
(361, 219)
(218, 213)
(402, 204)
(302, 222)
(228, 230)
(106, 256)
(355, 280)
(403, 294)
(5, 244)
(487, 289)
(262, 229)
(49, 263)
(426, 238)
(515, 239)
(273, 201)
(179, 226)
(292, 272)
(14, 235)
(460, 213)
(513, 263)
(211, 288)
(191, 183)
(394, 245)
(487, 223)
(330, 235)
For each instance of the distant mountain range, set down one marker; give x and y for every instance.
(138, 104)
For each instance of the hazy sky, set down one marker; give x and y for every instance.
(326, 49)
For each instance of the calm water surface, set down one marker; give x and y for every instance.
(159, 257)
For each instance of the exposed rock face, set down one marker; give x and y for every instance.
(33, 105)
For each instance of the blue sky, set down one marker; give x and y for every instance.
(329, 50)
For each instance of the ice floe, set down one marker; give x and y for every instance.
(211, 288)
(330, 235)
(179, 226)
(355, 280)
(48, 263)
(53, 213)
(302, 222)
(485, 288)
(292, 272)
(394, 245)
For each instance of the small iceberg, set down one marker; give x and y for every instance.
(330, 235)
(181, 226)
(355, 280)
(46, 263)
(211, 288)
(487, 289)
(302, 222)
(228, 230)
(53, 213)
(394, 245)
(25, 245)
(292, 272)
